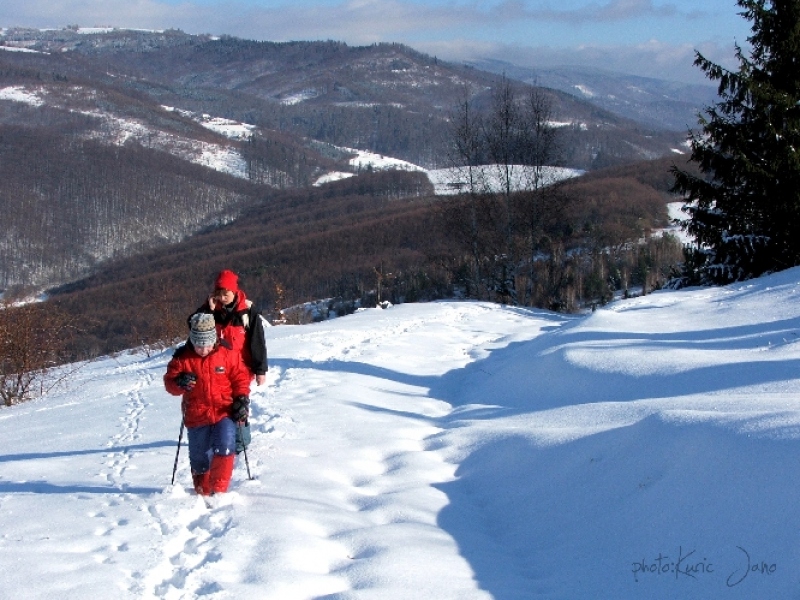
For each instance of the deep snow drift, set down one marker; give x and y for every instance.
(437, 451)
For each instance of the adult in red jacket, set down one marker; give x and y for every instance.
(215, 384)
(238, 322)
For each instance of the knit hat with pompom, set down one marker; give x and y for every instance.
(202, 330)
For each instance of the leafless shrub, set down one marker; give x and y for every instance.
(165, 324)
(33, 340)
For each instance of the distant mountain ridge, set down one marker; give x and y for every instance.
(386, 98)
(653, 102)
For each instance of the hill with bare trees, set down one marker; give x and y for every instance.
(133, 165)
(376, 238)
(119, 141)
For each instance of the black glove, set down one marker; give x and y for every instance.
(186, 380)
(241, 409)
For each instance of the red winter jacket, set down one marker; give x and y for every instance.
(221, 376)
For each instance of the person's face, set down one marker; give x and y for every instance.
(224, 296)
(203, 351)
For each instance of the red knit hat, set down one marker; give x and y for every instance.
(227, 280)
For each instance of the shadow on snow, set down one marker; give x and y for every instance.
(70, 453)
(533, 520)
(43, 487)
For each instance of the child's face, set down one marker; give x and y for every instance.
(203, 351)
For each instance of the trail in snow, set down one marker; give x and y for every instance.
(448, 450)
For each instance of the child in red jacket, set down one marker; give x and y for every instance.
(214, 383)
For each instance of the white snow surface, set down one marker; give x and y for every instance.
(333, 176)
(235, 130)
(16, 93)
(675, 213)
(299, 97)
(492, 178)
(18, 49)
(452, 450)
(449, 181)
(365, 159)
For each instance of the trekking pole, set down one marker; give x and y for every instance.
(244, 449)
(177, 452)
(247, 464)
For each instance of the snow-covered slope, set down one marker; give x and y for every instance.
(445, 450)
(492, 178)
(454, 180)
(118, 128)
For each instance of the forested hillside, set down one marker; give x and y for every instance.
(387, 98)
(122, 141)
(134, 165)
(69, 205)
(89, 172)
(378, 237)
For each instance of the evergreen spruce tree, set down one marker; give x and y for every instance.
(744, 207)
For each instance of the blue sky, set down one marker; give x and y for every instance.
(644, 37)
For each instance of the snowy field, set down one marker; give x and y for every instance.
(439, 451)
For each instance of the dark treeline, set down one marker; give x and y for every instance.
(598, 244)
(614, 212)
(277, 160)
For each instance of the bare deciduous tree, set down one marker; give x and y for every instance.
(33, 340)
(505, 207)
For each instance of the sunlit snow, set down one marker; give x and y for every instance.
(231, 129)
(365, 159)
(21, 94)
(492, 178)
(18, 49)
(437, 451)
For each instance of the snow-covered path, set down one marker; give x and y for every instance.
(362, 516)
(343, 490)
(450, 450)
